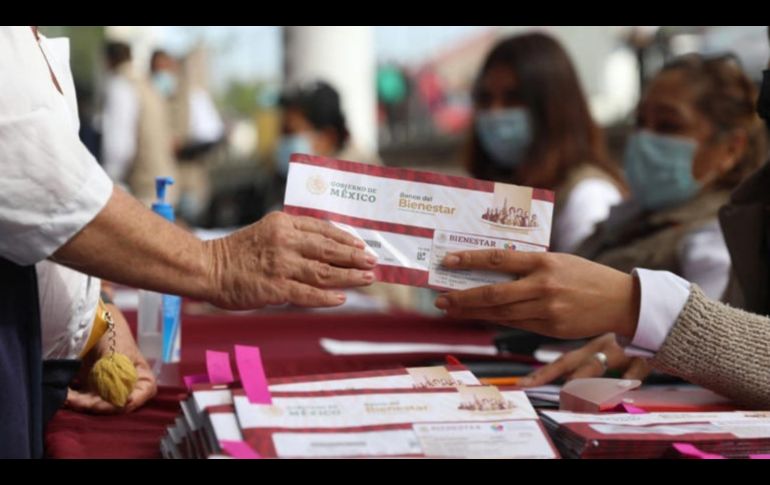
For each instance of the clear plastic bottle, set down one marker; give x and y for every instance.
(159, 324)
(150, 328)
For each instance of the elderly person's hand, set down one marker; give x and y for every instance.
(558, 295)
(287, 259)
(582, 362)
(279, 259)
(88, 400)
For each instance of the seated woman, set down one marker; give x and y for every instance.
(697, 138)
(532, 127)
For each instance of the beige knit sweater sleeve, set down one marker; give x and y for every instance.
(721, 348)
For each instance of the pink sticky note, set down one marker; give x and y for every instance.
(624, 407)
(688, 449)
(195, 379)
(249, 362)
(239, 449)
(218, 367)
(760, 457)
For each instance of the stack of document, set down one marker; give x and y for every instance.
(437, 412)
(734, 434)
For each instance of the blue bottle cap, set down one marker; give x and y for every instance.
(161, 206)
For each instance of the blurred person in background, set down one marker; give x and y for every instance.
(137, 143)
(313, 122)
(532, 126)
(393, 93)
(197, 126)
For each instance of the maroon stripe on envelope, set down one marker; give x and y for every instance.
(542, 194)
(404, 276)
(396, 173)
(359, 222)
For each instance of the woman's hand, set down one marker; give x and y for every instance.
(558, 295)
(582, 363)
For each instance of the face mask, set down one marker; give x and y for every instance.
(659, 169)
(763, 102)
(165, 83)
(505, 135)
(287, 145)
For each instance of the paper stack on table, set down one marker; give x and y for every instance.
(733, 434)
(440, 412)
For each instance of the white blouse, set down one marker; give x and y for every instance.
(587, 204)
(51, 186)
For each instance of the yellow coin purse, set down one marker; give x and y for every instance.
(114, 375)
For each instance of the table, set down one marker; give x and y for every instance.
(289, 343)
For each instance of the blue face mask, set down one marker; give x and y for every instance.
(659, 169)
(505, 135)
(165, 83)
(287, 145)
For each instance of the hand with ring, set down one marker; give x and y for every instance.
(592, 360)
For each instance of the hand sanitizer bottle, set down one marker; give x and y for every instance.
(159, 332)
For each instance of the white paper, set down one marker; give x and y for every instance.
(354, 444)
(225, 426)
(733, 417)
(494, 439)
(739, 431)
(404, 381)
(358, 347)
(448, 241)
(367, 409)
(222, 396)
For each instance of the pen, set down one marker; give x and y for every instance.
(500, 381)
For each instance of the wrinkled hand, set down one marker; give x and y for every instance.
(581, 363)
(89, 401)
(287, 259)
(558, 295)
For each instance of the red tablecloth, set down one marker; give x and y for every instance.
(290, 346)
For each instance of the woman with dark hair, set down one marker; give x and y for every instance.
(313, 122)
(698, 137)
(532, 127)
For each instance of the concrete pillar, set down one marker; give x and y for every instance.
(344, 57)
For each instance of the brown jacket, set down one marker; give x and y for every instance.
(745, 222)
(651, 240)
(154, 148)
